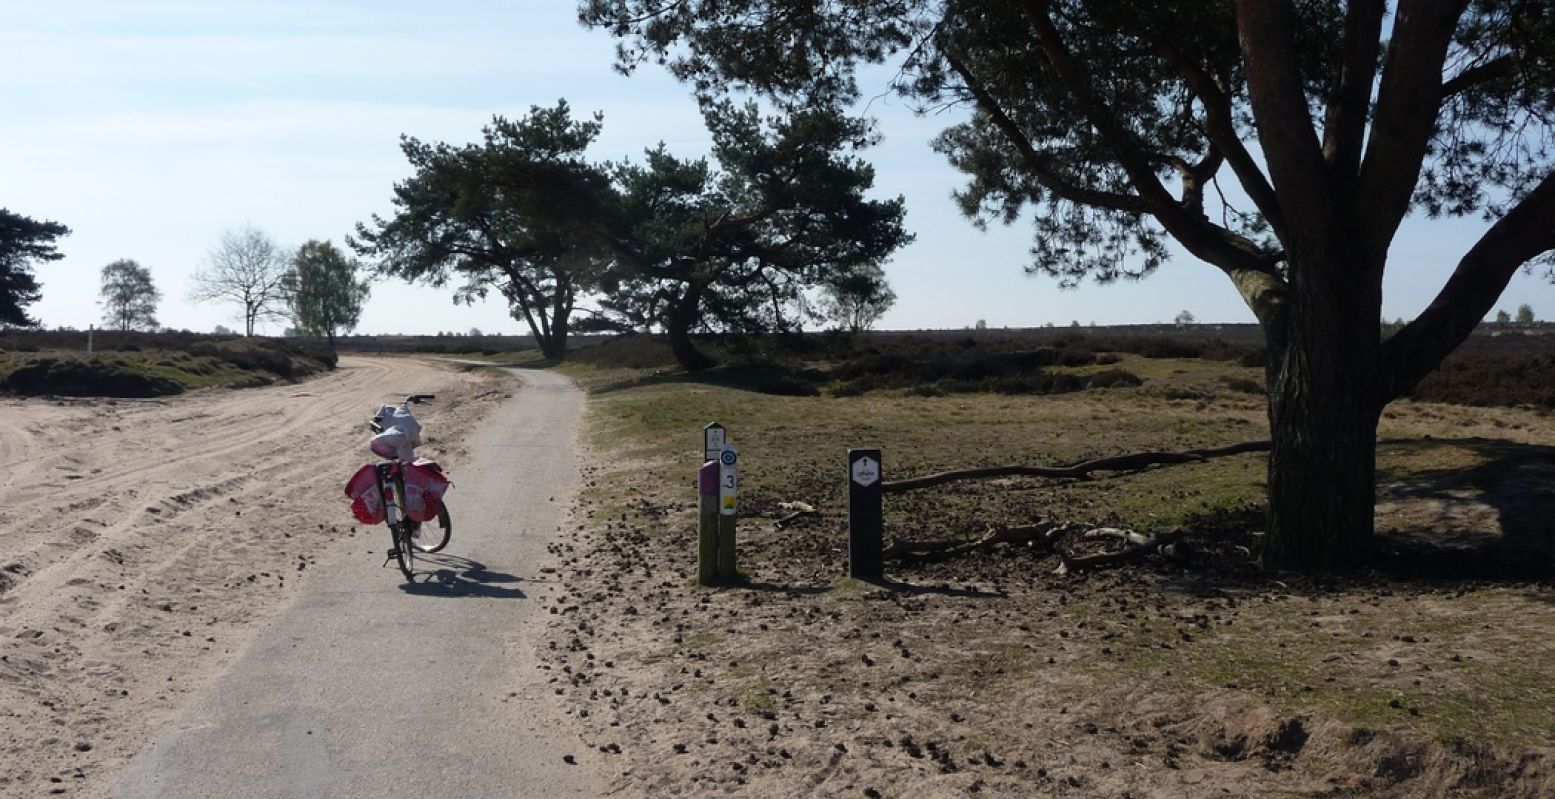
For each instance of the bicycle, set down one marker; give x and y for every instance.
(381, 491)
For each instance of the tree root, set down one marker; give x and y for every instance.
(1078, 471)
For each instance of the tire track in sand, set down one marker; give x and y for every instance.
(149, 541)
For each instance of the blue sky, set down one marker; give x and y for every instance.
(151, 127)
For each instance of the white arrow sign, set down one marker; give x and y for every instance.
(866, 471)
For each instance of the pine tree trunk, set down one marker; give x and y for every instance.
(554, 346)
(1323, 413)
(677, 326)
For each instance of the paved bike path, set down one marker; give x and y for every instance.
(367, 687)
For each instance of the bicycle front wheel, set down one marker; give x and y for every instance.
(404, 552)
(432, 538)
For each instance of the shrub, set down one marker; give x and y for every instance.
(1114, 378)
(870, 365)
(626, 352)
(1489, 378)
(1155, 347)
(859, 385)
(1220, 350)
(1243, 385)
(788, 387)
(1082, 358)
(87, 377)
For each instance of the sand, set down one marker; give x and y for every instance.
(147, 542)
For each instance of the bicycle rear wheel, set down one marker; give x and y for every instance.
(404, 551)
(432, 538)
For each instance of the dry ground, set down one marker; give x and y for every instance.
(991, 675)
(147, 541)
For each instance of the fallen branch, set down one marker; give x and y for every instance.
(1078, 471)
(1044, 532)
(1126, 536)
(803, 511)
(1139, 546)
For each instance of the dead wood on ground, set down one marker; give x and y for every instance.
(1043, 533)
(1078, 471)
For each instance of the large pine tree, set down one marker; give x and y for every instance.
(1113, 122)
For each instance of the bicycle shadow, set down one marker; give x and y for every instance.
(454, 576)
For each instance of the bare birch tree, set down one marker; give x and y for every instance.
(246, 268)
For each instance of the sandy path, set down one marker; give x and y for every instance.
(368, 686)
(147, 542)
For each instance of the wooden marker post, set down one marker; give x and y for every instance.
(707, 523)
(728, 490)
(865, 515)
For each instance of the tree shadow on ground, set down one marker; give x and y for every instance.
(791, 591)
(940, 589)
(1515, 482)
(1492, 523)
(884, 583)
(453, 576)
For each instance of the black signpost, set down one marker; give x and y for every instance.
(865, 515)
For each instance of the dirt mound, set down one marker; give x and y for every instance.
(87, 377)
(1328, 758)
(152, 371)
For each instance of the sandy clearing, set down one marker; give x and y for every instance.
(146, 543)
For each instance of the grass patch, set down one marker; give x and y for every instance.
(756, 696)
(971, 635)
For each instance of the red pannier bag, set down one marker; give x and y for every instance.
(425, 486)
(366, 500)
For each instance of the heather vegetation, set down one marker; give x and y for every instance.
(130, 364)
(1507, 369)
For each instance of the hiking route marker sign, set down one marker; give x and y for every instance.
(865, 515)
(728, 480)
(714, 436)
(866, 470)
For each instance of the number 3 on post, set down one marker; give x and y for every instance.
(728, 480)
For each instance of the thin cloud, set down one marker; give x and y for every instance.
(127, 46)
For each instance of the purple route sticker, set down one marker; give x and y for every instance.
(707, 479)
